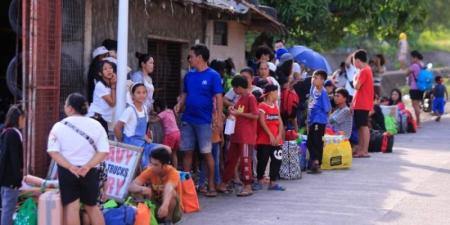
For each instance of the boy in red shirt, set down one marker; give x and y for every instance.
(244, 137)
(269, 140)
(362, 103)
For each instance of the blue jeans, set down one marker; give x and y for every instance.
(216, 156)
(9, 201)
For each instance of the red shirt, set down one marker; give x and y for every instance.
(245, 131)
(363, 99)
(272, 119)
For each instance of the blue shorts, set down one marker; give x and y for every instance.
(194, 135)
(439, 105)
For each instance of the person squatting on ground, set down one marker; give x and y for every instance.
(160, 182)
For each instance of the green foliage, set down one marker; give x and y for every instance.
(324, 24)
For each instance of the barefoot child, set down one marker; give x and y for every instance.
(439, 91)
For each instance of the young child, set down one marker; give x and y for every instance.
(216, 140)
(171, 132)
(132, 126)
(439, 102)
(244, 137)
(269, 139)
(318, 109)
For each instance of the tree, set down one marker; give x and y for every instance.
(324, 24)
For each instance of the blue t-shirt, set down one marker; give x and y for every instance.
(200, 88)
(318, 107)
(439, 91)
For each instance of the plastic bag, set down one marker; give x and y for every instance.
(337, 155)
(391, 125)
(189, 199)
(27, 214)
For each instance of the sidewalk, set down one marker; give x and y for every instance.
(409, 186)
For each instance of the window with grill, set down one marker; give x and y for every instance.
(220, 33)
(167, 74)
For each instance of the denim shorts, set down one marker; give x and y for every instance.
(196, 136)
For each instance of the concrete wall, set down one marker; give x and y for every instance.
(236, 43)
(177, 23)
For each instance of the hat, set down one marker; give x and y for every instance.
(99, 51)
(296, 68)
(280, 52)
(328, 83)
(286, 57)
(111, 59)
(402, 36)
(269, 88)
(272, 67)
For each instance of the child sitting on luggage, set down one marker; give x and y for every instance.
(439, 102)
(396, 99)
(269, 139)
(318, 108)
(168, 121)
(132, 126)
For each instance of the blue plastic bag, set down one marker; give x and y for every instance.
(123, 215)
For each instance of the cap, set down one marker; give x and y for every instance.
(296, 68)
(272, 67)
(286, 57)
(280, 52)
(111, 59)
(99, 51)
(402, 36)
(328, 83)
(269, 88)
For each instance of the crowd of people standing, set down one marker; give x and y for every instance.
(266, 99)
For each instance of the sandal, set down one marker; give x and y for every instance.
(211, 194)
(244, 193)
(361, 156)
(203, 190)
(223, 191)
(276, 187)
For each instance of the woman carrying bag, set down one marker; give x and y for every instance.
(78, 144)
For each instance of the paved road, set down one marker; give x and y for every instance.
(409, 186)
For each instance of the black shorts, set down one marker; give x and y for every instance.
(361, 118)
(416, 95)
(84, 188)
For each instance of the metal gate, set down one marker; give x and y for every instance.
(41, 41)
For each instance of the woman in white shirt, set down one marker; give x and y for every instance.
(104, 99)
(78, 144)
(146, 67)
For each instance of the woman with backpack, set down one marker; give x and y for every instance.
(78, 144)
(412, 74)
(11, 162)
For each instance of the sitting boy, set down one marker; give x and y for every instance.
(163, 181)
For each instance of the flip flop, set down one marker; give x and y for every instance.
(276, 187)
(211, 194)
(224, 191)
(244, 194)
(361, 156)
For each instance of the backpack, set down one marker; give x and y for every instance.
(424, 80)
(289, 103)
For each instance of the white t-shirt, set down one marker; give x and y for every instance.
(99, 105)
(129, 118)
(74, 147)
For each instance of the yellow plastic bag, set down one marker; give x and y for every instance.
(337, 155)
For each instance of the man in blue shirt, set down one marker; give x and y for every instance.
(318, 108)
(201, 86)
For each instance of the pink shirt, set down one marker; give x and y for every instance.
(168, 121)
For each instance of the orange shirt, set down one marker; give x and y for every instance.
(158, 183)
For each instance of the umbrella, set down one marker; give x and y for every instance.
(313, 60)
(297, 49)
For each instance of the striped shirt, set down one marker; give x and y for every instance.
(342, 120)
